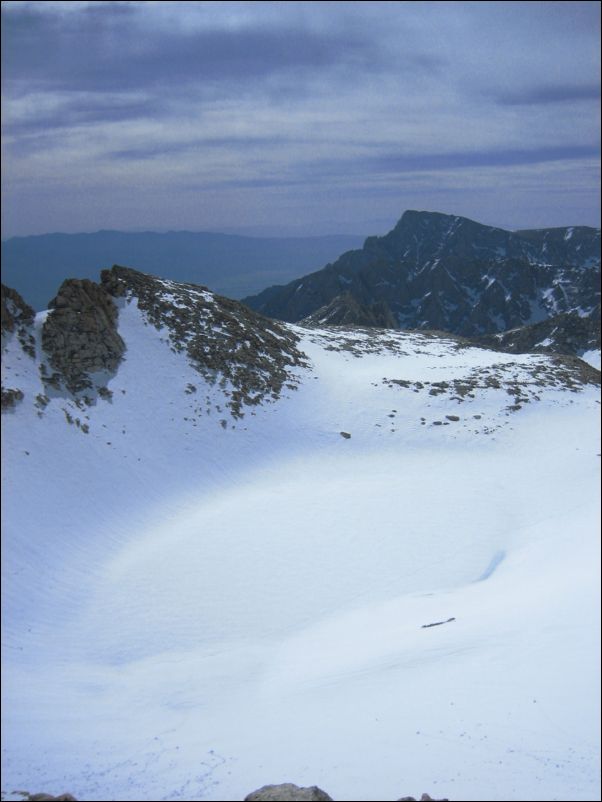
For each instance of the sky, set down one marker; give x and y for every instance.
(285, 118)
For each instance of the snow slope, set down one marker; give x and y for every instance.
(194, 609)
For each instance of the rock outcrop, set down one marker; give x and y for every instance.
(80, 335)
(288, 792)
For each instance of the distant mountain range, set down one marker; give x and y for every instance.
(231, 265)
(438, 271)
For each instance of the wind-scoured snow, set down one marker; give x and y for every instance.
(195, 608)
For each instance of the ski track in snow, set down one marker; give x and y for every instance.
(192, 611)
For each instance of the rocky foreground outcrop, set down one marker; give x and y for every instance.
(251, 357)
(80, 335)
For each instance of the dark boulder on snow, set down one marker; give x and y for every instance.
(80, 334)
(288, 791)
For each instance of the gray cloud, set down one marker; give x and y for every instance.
(392, 163)
(71, 112)
(108, 49)
(561, 93)
(168, 149)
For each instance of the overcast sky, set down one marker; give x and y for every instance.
(298, 118)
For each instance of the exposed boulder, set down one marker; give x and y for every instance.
(288, 791)
(80, 334)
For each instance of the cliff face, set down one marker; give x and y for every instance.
(436, 271)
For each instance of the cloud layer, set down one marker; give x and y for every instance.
(298, 117)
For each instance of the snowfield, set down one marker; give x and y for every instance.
(193, 609)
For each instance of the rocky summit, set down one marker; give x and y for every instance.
(438, 271)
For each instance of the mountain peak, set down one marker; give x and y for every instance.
(446, 272)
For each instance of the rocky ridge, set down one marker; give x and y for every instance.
(437, 271)
(252, 358)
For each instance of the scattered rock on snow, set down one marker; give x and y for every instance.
(288, 791)
(346, 435)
